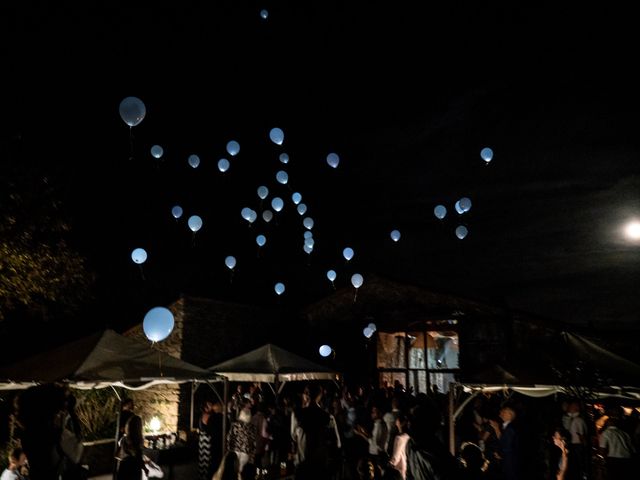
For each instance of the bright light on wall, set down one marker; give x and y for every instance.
(155, 424)
(632, 230)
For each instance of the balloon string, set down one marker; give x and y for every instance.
(333, 285)
(355, 297)
(160, 362)
(231, 277)
(130, 143)
(193, 240)
(141, 272)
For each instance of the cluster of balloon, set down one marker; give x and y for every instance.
(325, 350)
(230, 263)
(249, 215)
(369, 330)
(356, 280)
(139, 256)
(132, 112)
(158, 324)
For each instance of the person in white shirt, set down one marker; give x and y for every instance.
(378, 437)
(578, 452)
(399, 453)
(17, 461)
(617, 448)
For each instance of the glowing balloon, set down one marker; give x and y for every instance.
(276, 135)
(132, 111)
(277, 203)
(486, 154)
(279, 288)
(308, 223)
(367, 332)
(395, 235)
(158, 324)
(282, 177)
(284, 158)
(194, 161)
(253, 216)
(223, 165)
(157, 151)
(296, 197)
(309, 242)
(263, 192)
(233, 148)
(139, 256)
(264, 14)
(440, 212)
(267, 215)
(357, 280)
(333, 160)
(230, 262)
(372, 326)
(348, 253)
(331, 275)
(325, 350)
(465, 204)
(176, 212)
(461, 232)
(308, 234)
(195, 223)
(307, 249)
(246, 213)
(458, 208)
(302, 209)
(261, 240)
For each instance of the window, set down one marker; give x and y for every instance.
(419, 359)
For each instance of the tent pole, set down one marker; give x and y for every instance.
(193, 394)
(452, 420)
(224, 416)
(115, 442)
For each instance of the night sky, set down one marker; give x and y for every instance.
(407, 93)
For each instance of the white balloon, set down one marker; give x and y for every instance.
(139, 256)
(195, 223)
(296, 198)
(333, 160)
(284, 158)
(307, 249)
(325, 350)
(465, 204)
(395, 235)
(458, 208)
(158, 324)
(308, 223)
(194, 161)
(357, 280)
(132, 111)
(367, 332)
(246, 213)
(308, 234)
(372, 326)
(223, 165)
(309, 242)
(486, 154)
(233, 148)
(253, 216)
(263, 192)
(230, 262)
(157, 151)
(267, 215)
(348, 253)
(279, 288)
(277, 203)
(302, 209)
(440, 212)
(461, 232)
(276, 135)
(176, 212)
(282, 177)
(331, 275)
(261, 240)
(264, 14)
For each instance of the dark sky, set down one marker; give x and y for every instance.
(407, 93)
